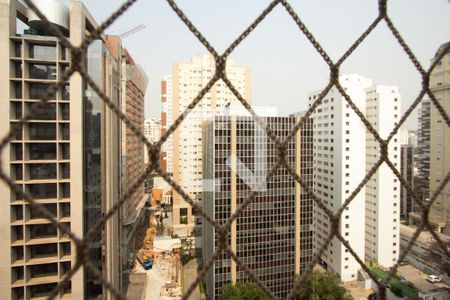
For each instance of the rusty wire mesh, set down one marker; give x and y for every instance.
(77, 53)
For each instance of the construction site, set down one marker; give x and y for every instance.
(158, 259)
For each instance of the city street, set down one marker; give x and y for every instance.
(419, 278)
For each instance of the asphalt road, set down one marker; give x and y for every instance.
(418, 278)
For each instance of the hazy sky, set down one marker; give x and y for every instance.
(285, 67)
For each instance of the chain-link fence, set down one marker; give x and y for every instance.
(222, 231)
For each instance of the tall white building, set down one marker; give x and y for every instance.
(152, 129)
(166, 122)
(339, 166)
(178, 91)
(344, 151)
(383, 188)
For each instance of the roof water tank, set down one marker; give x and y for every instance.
(56, 13)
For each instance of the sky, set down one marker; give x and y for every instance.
(285, 67)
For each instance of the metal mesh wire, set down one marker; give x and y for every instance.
(83, 260)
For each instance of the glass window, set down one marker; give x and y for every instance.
(39, 151)
(17, 129)
(45, 52)
(65, 190)
(42, 171)
(44, 270)
(16, 110)
(38, 91)
(65, 112)
(65, 209)
(40, 71)
(42, 131)
(65, 53)
(36, 213)
(18, 49)
(18, 69)
(45, 111)
(42, 230)
(65, 132)
(17, 90)
(16, 152)
(65, 171)
(17, 172)
(41, 290)
(42, 191)
(66, 92)
(37, 251)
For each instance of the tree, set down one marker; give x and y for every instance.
(187, 250)
(396, 290)
(324, 286)
(243, 291)
(159, 228)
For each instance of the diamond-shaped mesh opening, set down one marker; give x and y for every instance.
(223, 230)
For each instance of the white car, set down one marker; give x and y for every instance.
(433, 278)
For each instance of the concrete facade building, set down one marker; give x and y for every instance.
(339, 166)
(272, 236)
(186, 81)
(134, 218)
(382, 213)
(425, 254)
(439, 143)
(67, 157)
(166, 122)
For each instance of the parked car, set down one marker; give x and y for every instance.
(433, 278)
(404, 262)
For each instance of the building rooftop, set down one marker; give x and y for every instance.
(425, 237)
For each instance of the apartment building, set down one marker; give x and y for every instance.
(339, 139)
(166, 155)
(273, 235)
(439, 141)
(67, 157)
(382, 213)
(152, 129)
(178, 91)
(344, 151)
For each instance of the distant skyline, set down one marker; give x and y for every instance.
(285, 67)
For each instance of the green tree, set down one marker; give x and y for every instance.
(324, 286)
(187, 250)
(396, 290)
(243, 291)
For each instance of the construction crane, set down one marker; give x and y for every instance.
(132, 31)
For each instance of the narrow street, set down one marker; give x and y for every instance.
(163, 279)
(190, 274)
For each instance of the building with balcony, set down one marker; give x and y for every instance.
(67, 157)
